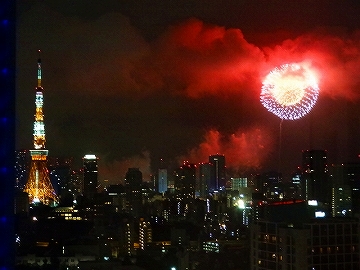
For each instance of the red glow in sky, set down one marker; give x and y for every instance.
(130, 80)
(243, 151)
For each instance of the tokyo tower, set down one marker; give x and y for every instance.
(38, 186)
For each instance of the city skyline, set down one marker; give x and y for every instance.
(132, 87)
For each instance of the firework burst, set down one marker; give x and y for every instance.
(289, 91)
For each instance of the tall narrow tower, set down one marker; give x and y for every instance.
(90, 176)
(38, 186)
(218, 180)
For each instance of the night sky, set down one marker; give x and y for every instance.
(137, 81)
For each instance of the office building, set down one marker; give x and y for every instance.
(218, 179)
(315, 179)
(185, 180)
(345, 190)
(60, 174)
(126, 236)
(162, 180)
(204, 179)
(90, 181)
(133, 185)
(320, 244)
(238, 183)
(145, 233)
(21, 168)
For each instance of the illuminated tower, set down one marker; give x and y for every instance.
(38, 186)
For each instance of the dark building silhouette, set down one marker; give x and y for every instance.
(346, 189)
(60, 174)
(320, 244)
(218, 179)
(205, 179)
(315, 178)
(22, 160)
(185, 180)
(288, 236)
(133, 184)
(270, 182)
(90, 166)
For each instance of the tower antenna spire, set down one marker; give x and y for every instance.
(39, 70)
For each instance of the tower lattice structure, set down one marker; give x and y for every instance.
(38, 186)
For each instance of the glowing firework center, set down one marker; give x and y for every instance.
(289, 91)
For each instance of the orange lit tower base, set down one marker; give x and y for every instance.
(38, 186)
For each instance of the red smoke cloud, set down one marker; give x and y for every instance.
(197, 58)
(334, 57)
(243, 151)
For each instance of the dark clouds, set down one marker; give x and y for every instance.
(133, 87)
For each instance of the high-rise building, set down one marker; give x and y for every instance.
(345, 191)
(133, 184)
(38, 186)
(60, 174)
(315, 178)
(126, 236)
(90, 167)
(269, 180)
(185, 180)
(205, 179)
(320, 244)
(145, 233)
(77, 182)
(21, 168)
(162, 180)
(239, 183)
(218, 180)
(341, 201)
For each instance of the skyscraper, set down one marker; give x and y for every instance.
(162, 180)
(21, 168)
(315, 179)
(38, 186)
(145, 233)
(218, 180)
(346, 189)
(133, 182)
(205, 179)
(90, 166)
(185, 180)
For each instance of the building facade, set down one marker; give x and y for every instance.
(162, 180)
(322, 244)
(218, 179)
(133, 184)
(315, 179)
(90, 181)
